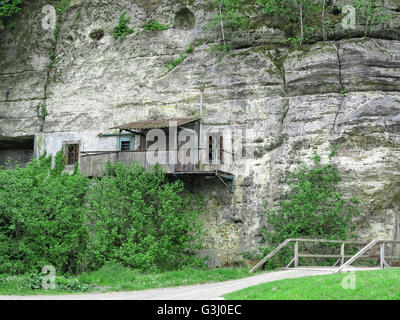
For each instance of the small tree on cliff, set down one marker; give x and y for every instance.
(230, 16)
(312, 207)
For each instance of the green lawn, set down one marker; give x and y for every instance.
(116, 278)
(369, 285)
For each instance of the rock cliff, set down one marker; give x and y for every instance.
(297, 100)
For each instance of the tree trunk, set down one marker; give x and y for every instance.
(222, 24)
(323, 20)
(301, 22)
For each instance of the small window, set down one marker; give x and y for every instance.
(72, 153)
(210, 149)
(125, 145)
(216, 150)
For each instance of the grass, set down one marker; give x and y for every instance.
(113, 277)
(369, 285)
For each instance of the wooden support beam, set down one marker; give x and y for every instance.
(283, 244)
(357, 255)
(290, 263)
(296, 254)
(337, 261)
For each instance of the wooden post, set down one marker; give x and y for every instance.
(396, 236)
(342, 253)
(296, 254)
(382, 255)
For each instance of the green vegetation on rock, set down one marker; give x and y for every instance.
(303, 21)
(122, 30)
(171, 65)
(154, 25)
(182, 57)
(41, 111)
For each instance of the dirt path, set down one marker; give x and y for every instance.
(211, 291)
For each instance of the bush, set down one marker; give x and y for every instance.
(137, 217)
(34, 281)
(9, 7)
(311, 208)
(41, 217)
(154, 25)
(133, 216)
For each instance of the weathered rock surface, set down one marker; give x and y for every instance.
(340, 92)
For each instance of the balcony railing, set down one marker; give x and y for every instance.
(93, 163)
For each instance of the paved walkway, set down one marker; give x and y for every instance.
(211, 291)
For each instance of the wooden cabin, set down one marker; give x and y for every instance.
(172, 143)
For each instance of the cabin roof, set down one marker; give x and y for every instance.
(155, 124)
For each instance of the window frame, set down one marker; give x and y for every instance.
(66, 145)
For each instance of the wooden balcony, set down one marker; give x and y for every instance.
(93, 163)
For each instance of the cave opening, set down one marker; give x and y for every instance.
(184, 20)
(20, 150)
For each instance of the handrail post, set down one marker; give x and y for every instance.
(296, 254)
(382, 255)
(342, 254)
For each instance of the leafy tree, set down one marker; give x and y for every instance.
(41, 217)
(311, 208)
(230, 16)
(305, 19)
(371, 12)
(299, 18)
(137, 217)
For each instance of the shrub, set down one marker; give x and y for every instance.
(153, 25)
(41, 217)
(137, 217)
(122, 30)
(34, 281)
(9, 7)
(311, 208)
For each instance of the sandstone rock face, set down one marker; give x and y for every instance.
(296, 101)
